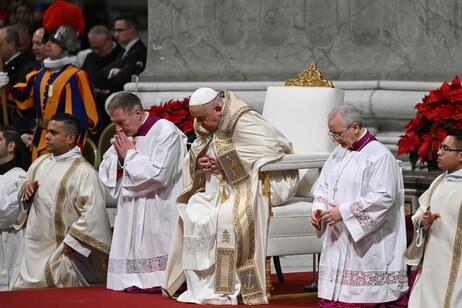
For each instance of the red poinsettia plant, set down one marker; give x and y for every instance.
(438, 112)
(177, 112)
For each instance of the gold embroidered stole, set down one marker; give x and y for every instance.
(239, 259)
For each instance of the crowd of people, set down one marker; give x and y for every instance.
(192, 225)
(54, 74)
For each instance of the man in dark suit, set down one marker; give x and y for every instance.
(13, 58)
(13, 62)
(104, 51)
(119, 72)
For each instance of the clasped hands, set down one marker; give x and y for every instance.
(209, 164)
(122, 144)
(29, 191)
(330, 216)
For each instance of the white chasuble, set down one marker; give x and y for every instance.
(10, 237)
(67, 207)
(146, 207)
(220, 241)
(362, 255)
(439, 279)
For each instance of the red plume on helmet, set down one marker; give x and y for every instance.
(64, 22)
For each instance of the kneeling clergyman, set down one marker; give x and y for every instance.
(62, 201)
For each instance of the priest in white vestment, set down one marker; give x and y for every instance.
(11, 146)
(436, 249)
(219, 246)
(63, 211)
(142, 169)
(359, 206)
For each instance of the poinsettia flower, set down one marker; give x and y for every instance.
(155, 110)
(188, 126)
(438, 112)
(435, 96)
(425, 147)
(455, 83)
(455, 95)
(457, 115)
(409, 143)
(450, 111)
(412, 124)
(177, 112)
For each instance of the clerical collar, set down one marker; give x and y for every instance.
(58, 63)
(362, 141)
(455, 176)
(74, 153)
(147, 124)
(4, 168)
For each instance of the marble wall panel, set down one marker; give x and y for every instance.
(248, 40)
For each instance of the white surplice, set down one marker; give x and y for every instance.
(362, 255)
(67, 207)
(10, 237)
(439, 280)
(206, 226)
(146, 210)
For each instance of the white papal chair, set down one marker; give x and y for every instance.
(300, 111)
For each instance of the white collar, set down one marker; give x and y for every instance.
(11, 59)
(130, 45)
(58, 63)
(455, 176)
(74, 153)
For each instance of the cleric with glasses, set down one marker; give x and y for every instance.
(359, 205)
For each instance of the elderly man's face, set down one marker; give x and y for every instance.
(100, 45)
(129, 123)
(345, 136)
(38, 47)
(208, 116)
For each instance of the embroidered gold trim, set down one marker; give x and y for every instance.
(226, 236)
(37, 166)
(224, 264)
(89, 240)
(233, 167)
(250, 285)
(244, 224)
(22, 188)
(59, 225)
(237, 176)
(455, 265)
(311, 77)
(49, 276)
(176, 284)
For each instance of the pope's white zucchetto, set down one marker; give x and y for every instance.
(202, 96)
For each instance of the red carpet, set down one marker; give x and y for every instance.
(101, 297)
